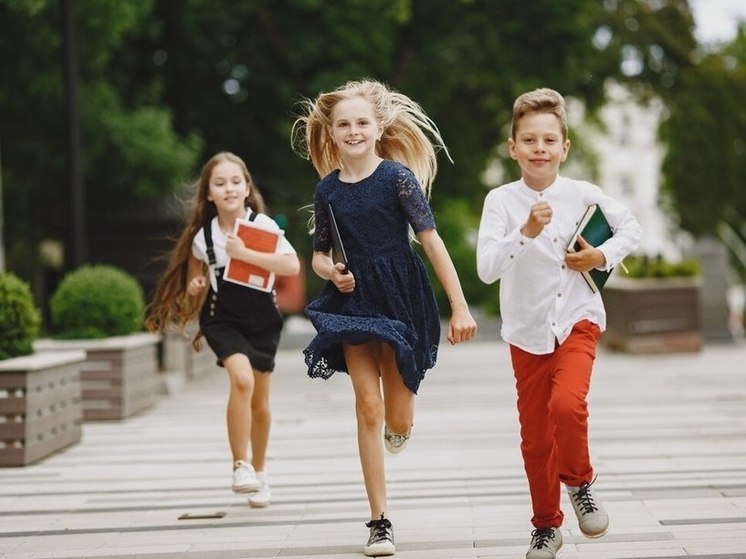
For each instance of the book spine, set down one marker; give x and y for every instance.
(589, 280)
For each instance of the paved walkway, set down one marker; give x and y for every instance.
(668, 441)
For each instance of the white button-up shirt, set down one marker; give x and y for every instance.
(540, 297)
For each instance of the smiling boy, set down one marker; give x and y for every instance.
(550, 317)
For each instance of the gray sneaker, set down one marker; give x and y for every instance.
(592, 517)
(381, 540)
(545, 543)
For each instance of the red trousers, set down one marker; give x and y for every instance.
(553, 414)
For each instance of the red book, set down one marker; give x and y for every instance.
(255, 237)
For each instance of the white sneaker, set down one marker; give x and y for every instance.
(262, 497)
(395, 442)
(244, 478)
(592, 517)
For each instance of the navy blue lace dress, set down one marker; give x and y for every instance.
(393, 300)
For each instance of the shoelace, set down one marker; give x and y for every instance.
(584, 499)
(541, 537)
(380, 527)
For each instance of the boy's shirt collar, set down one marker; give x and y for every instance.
(540, 194)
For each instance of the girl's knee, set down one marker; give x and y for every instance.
(242, 382)
(369, 411)
(260, 412)
(240, 373)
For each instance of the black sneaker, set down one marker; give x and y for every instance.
(545, 543)
(381, 540)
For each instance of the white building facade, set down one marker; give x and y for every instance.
(629, 166)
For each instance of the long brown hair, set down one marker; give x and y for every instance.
(171, 305)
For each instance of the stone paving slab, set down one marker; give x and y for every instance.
(668, 440)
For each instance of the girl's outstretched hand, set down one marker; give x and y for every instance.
(462, 326)
(196, 285)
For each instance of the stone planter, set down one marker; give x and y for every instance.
(40, 405)
(179, 355)
(120, 375)
(180, 363)
(653, 315)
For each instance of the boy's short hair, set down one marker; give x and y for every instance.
(543, 100)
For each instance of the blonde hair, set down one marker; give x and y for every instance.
(171, 305)
(543, 100)
(409, 135)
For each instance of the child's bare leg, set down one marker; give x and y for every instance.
(399, 400)
(238, 412)
(363, 364)
(261, 419)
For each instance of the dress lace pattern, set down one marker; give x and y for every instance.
(393, 299)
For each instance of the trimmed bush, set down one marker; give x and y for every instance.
(19, 318)
(97, 301)
(656, 267)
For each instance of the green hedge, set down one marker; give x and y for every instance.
(97, 301)
(20, 320)
(656, 267)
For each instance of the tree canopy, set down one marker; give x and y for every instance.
(705, 166)
(167, 83)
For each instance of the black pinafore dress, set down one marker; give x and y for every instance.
(240, 319)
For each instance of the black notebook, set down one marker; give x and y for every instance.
(338, 248)
(594, 228)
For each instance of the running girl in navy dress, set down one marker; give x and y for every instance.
(241, 325)
(379, 320)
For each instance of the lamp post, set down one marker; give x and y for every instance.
(77, 188)
(2, 218)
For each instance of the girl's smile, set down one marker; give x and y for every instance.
(354, 129)
(228, 189)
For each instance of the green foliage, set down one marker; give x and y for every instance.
(705, 165)
(463, 61)
(646, 44)
(137, 141)
(131, 152)
(97, 302)
(167, 83)
(457, 226)
(19, 318)
(644, 266)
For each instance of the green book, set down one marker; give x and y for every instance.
(594, 228)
